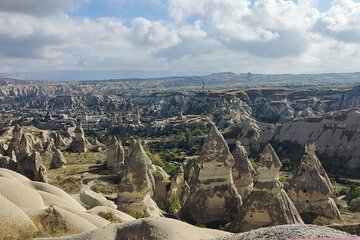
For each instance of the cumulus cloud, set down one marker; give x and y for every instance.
(267, 28)
(211, 35)
(341, 22)
(39, 7)
(146, 33)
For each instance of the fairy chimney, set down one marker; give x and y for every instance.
(243, 172)
(268, 204)
(213, 198)
(137, 186)
(310, 189)
(115, 155)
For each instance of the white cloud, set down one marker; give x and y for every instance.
(39, 7)
(156, 34)
(341, 21)
(204, 35)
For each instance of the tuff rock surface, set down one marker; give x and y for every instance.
(137, 186)
(310, 189)
(268, 204)
(213, 198)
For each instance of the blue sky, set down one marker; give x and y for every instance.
(154, 10)
(124, 9)
(271, 36)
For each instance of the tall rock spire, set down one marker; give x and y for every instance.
(115, 155)
(268, 204)
(214, 198)
(311, 189)
(137, 186)
(243, 172)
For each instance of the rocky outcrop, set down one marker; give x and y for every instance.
(268, 204)
(214, 199)
(93, 199)
(115, 155)
(162, 183)
(150, 229)
(310, 189)
(58, 140)
(7, 162)
(252, 134)
(179, 187)
(243, 172)
(293, 231)
(29, 207)
(336, 134)
(78, 143)
(29, 162)
(136, 189)
(32, 167)
(15, 140)
(58, 160)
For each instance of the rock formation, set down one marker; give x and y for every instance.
(335, 133)
(24, 202)
(58, 140)
(310, 189)
(115, 155)
(92, 199)
(58, 160)
(29, 161)
(15, 140)
(214, 199)
(31, 166)
(78, 143)
(179, 187)
(2, 150)
(268, 204)
(162, 183)
(137, 186)
(7, 162)
(293, 231)
(243, 172)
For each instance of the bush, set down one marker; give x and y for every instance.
(52, 224)
(139, 215)
(200, 225)
(353, 192)
(162, 160)
(174, 204)
(355, 205)
(110, 216)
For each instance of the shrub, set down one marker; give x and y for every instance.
(355, 205)
(200, 225)
(160, 159)
(174, 204)
(53, 225)
(110, 216)
(139, 215)
(353, 192)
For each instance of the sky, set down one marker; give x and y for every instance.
(259, 36)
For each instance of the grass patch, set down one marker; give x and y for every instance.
(71, 185)
(139, 215)
(104, 188)
(174, 204)
(9, 232)
(52, 225)
(110, 216)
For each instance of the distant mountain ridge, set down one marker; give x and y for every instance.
(215, 80)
